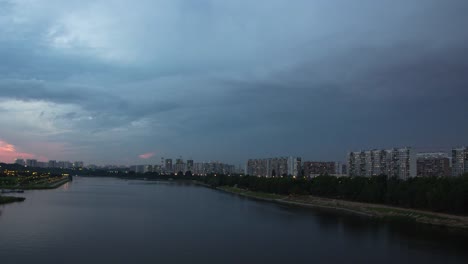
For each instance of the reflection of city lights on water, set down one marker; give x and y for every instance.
(66, 186)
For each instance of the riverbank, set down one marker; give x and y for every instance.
(363, 209)
(42, 185)
(50, 184)
(10, 199)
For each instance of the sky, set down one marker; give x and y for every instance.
(128, 82)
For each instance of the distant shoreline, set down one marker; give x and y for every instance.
(52, 185)
(363, 209)
(14, 199)
(10, 199)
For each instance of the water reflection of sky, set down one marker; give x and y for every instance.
(116, 220)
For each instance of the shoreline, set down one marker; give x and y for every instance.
(14, 199)
(375, 211)
(53, 185)
(10, 199)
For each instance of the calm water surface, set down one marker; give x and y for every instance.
(100, 220)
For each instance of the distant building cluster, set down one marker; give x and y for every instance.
(459, 161)
(403, 163)
(33, 163)
(397, 162)
(274, 167)
(180, 166)
(293, 167)
(433, 164)
(315, 168)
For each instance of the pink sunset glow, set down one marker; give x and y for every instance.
(146, 155)
(9, 152)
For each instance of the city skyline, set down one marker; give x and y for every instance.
(230, 80)
(403, 163)
(154, 159)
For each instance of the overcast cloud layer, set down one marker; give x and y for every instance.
(115, 81)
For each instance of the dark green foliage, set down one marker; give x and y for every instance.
(447, 194)
(8, 199)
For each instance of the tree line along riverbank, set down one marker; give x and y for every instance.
(364, 209)
(447, 195)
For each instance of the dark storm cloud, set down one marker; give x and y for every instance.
(238, 79)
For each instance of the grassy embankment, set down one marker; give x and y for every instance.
(365, 209)
(10, 199)
(43, 183)
(39, 185)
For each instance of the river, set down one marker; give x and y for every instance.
(105, 220)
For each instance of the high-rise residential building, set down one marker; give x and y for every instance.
(433, 165)
(339, 169)
(190, 165)
(140, 168)
(274, 167)
(52, 164)
(20, 162)
(198, 168)
(179, 167)
(344, 169)
(295, 166)
(64, 164)
(315, 168)
(459, 161)
(203, 168)
(397, 162)
(168, 165)
(31, 163)
(257, 167)
(277, 167)
(157, 168)
(148, 168)
(78, 164)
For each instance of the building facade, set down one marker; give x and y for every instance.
(52, 164)
(459, 161)
(31, 163)
(20, 162)
(179, 166)
(168, 165)
(397, 162)
(315, 168)
(274, 167)
(433, 165)
(344, 169)
(295, 166)
(190, 165)
(78, 164)
(204, 168)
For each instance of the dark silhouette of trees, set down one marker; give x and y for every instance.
(439, 194)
